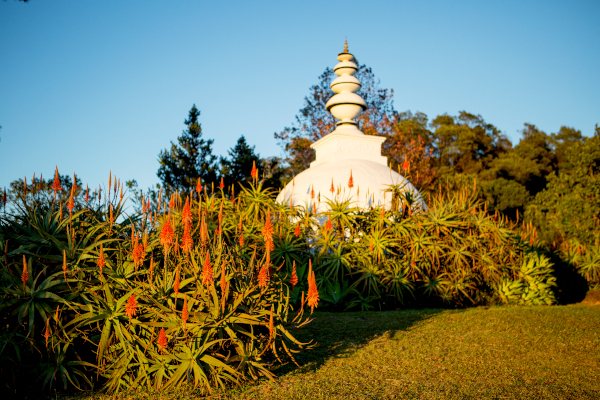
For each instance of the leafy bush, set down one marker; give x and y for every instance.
(206, 289)
(454, 254)
(183, 294)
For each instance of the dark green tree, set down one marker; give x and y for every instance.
(188, 159)
(569, 207)
(512, 180)
(561, 141)
(466, 144)
(237, 166)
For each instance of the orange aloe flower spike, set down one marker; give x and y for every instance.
(185, 313)
(328, 224)
(101, 262)
(71, 202)
(167, 235)
(177, 282)
(294, 276)
(56, 187)
(263, 276)
(351, 181)
(131, 306)
(207, 271)
(254, 171)
(25, 273)
(47, 332)
(313, 293)
(162, 339)
(186, 241)
(406, 165)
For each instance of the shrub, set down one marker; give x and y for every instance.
(169, 296)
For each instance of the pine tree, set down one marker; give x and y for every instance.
(188, 159)
(236, 168)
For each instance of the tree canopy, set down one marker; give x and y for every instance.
(237, 166)
(188, 159)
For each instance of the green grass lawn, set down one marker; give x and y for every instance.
(496, 352)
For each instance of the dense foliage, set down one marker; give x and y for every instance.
(547, 180)
(207, 288)
(184, 293)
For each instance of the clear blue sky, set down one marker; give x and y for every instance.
(93, 86)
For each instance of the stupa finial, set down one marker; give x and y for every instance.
(345, 104)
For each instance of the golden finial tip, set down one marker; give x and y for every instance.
(345, 45)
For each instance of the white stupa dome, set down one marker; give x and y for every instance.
(348, 164)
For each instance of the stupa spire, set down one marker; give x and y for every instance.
(345, 103)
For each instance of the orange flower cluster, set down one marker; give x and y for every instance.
(332, 188)
(297, 230)
(313, 293)
(207, 271)
(254, 171)
(167, 235)
(138, 249)
(162, 339)
(71, 201)
(177, 282)
(406, 166)
(294, 276)
(351, 181)
(47, 332)
(101, 261)
(222, 184)
(25, 272)
(187, 243)
(267, 233)
(131, 306)
(203, 230)
(186, 217)
(185, 313)
(56, 187)
(186, 213)
(263, 276)
(199, 186)
(328, 225)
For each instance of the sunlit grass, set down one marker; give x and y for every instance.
(497, 352)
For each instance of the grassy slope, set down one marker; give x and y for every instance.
(498, 352)
(503, 352)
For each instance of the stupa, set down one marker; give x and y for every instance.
(348, 164)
